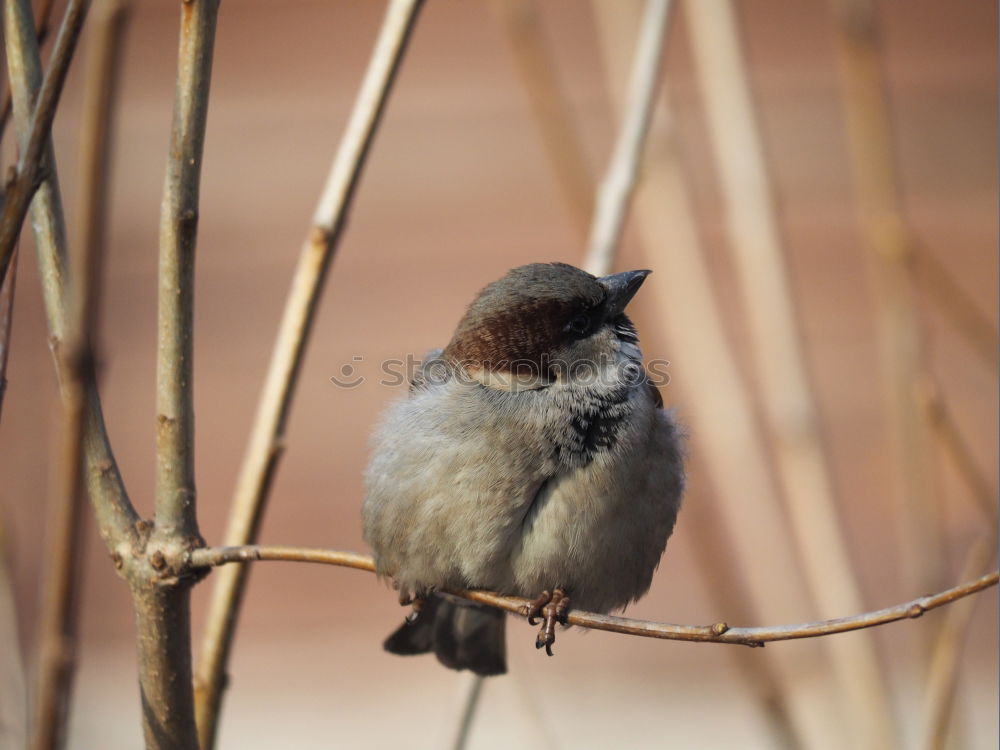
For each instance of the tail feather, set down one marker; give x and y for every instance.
(462, 636)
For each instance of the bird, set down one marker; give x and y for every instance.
(532, 456)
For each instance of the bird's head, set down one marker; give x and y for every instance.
(543, 322)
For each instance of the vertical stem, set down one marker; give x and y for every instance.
(560, 138)
(619, 182)
(267, 436)
(889, 245)
(802, 461)
(175, 488)
(6, 323)
(116, 518)
(61, 584)
(163, 632)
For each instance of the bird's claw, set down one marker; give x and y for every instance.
(551, 607)
(405, 597)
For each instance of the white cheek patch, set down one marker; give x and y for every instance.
(511, 382)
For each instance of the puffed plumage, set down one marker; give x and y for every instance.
(531, 454)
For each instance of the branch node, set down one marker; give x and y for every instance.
(916, 610)
(719, 628)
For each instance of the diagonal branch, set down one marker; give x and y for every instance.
(22, 189)
(116, 517)
(719, 632)
(614, 195)
(267, 437)
(6, 323)
(60, 587)
(560, 138)
(42, 33)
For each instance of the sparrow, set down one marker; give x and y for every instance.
(532, 457)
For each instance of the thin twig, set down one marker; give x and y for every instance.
(175, 489)
(719, 632)
(13, 693)
(44, 18)
(716, 400)
(786, 390)
(116, 518)
(619, 182)
(472, 692)
(267, 437)
(60, 586)
(942, 676)
(890, 245)
(19, 193)
(944, 289)
(943, 423)
(560, 137)
(6, 323)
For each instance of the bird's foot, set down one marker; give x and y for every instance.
(405, 598)
(551, 607)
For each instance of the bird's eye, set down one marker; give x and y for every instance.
(579, 323)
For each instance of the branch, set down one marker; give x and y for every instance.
(6, 323)
(116, 517)
(267, 436)
(60, 588)
(175, 489)
(783, 381)
(19, 194)
(619, 182)
(889, 254)
(720, 632)
(42, 33)
(560, 138)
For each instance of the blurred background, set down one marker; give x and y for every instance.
(457, 190)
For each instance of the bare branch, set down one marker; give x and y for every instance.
(6, 323)
(116, 517)
(943, 423)
(889, 246)
(267, 436)
(942, 677)
(719, 632)
(785, 386)
(560, 137)
(19, 193)
(175, 489)
(944, 289)
(619, 182)
(60, 586)
(44, 18)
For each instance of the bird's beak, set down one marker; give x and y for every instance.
(621, 288)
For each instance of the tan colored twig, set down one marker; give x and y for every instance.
(60, 585)
(715, 401)
(471, 693)
(942, 287)
(7, 287)
(116, 518)
(267, 437)
(175, 489)
(943, 423)
(789, 402)
(560, 138)
(616, 189)
(42, 33)
(719, 632)
(163, 611)
(890, 247)
(13, 692)
(19, 193)
(942, 676)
